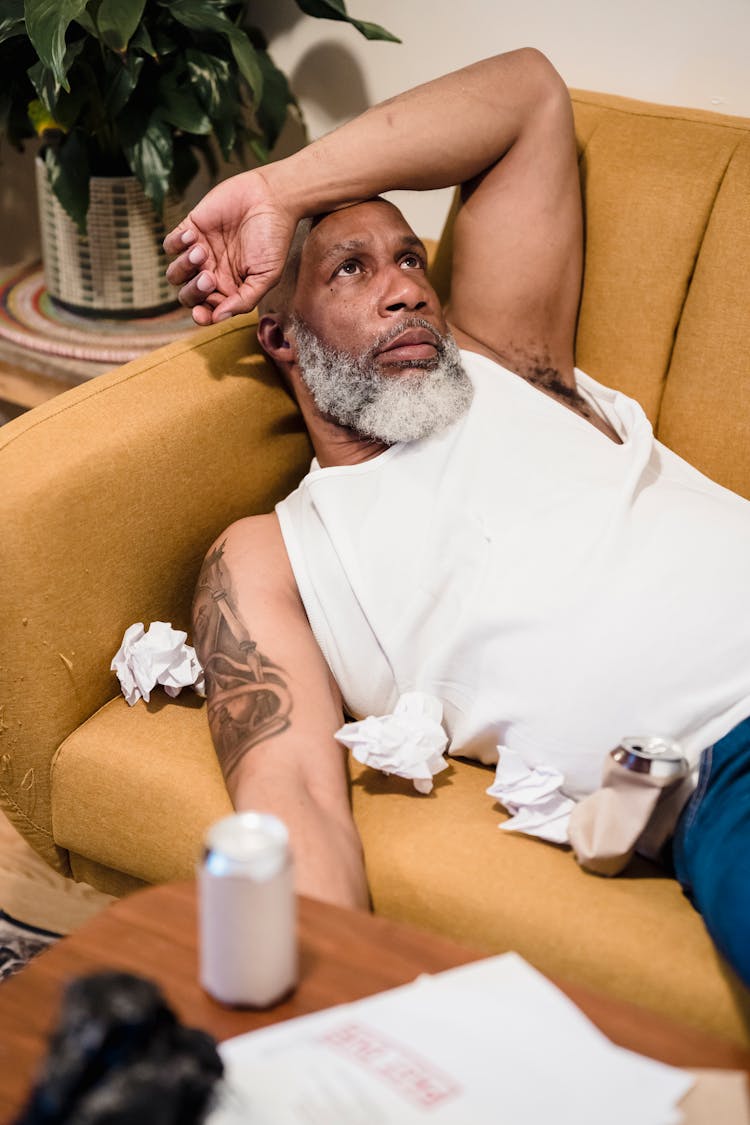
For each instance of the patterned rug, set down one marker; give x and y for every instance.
(20, 942)
(31, 322)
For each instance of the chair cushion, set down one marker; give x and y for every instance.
(134, 789)
(439, 862)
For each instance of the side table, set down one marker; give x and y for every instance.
(46, 349)
(345, 955)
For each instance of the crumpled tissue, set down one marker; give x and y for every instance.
(157, 655)
(408, 743)
(532, 797)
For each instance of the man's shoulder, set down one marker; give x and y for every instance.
(257, 530)
(253, 551)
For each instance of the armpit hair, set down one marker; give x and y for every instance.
(537, 369)
(549, 379)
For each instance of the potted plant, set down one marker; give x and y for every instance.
(126, 96)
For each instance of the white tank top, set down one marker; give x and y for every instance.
(556, 591)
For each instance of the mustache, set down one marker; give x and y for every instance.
(403, 326)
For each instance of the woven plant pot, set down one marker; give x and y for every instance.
(117, 268)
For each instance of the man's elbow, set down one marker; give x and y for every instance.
(533, 76)
(538, 67)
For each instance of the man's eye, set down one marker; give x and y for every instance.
(349, 268)
(412, 262)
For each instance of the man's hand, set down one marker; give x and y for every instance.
(231, 248)
(506, 134)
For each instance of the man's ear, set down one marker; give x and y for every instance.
(274, 340)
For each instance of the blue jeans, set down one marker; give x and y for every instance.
(711, 847)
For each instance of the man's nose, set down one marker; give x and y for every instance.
(405, 290)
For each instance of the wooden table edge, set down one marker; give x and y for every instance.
(344, 956)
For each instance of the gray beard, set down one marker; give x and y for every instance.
(353, 391)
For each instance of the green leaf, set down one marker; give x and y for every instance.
(336, 10)
(68, 107)
(225, 131)
(246, 58)
(203, 15)
(46, 24)
(277, 97)
(86, 21)
(212, 79)
(41, 118)
(149, 152)
(179, 105)
(215, 84)
(117, 20)
(44, 83)
(68, 171)
(141, 41)
(259, 151)
(11, 19)
(163, 43)
(43, 79)
(123, 82)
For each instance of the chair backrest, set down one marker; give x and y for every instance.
(665, 309)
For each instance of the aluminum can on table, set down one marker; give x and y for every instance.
(247, 911)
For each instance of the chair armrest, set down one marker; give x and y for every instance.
(111, 494)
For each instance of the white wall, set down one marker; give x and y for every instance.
(680, 52)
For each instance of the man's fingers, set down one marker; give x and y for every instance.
(196, 291)
(224, 310)
(178, 239)
(202, 315)
(232, 306)
(249, 293)
(187, 266)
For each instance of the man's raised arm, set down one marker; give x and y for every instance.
(273, 706)
(520, 240)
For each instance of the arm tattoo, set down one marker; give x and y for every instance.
(248, 700)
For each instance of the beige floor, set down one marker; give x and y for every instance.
(32, 892)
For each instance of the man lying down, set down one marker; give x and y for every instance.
(482, 522)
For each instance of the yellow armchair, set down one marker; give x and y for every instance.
(112, 492)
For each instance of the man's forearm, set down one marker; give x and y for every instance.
(266, 763)
(436, 135)
(454, 130)
(326, 847)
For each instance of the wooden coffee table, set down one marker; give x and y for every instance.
(344, 956)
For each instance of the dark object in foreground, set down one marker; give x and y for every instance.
(120, 1055)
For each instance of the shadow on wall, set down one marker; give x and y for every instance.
(343, 93)
(327, 75)
(275, 17)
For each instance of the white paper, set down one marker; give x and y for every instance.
(532, 797)
(491, 1042)
(157, 655)
(408, 743)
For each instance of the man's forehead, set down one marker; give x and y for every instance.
(357, 228)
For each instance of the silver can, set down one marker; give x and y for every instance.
(247, 911)
(661, 758)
